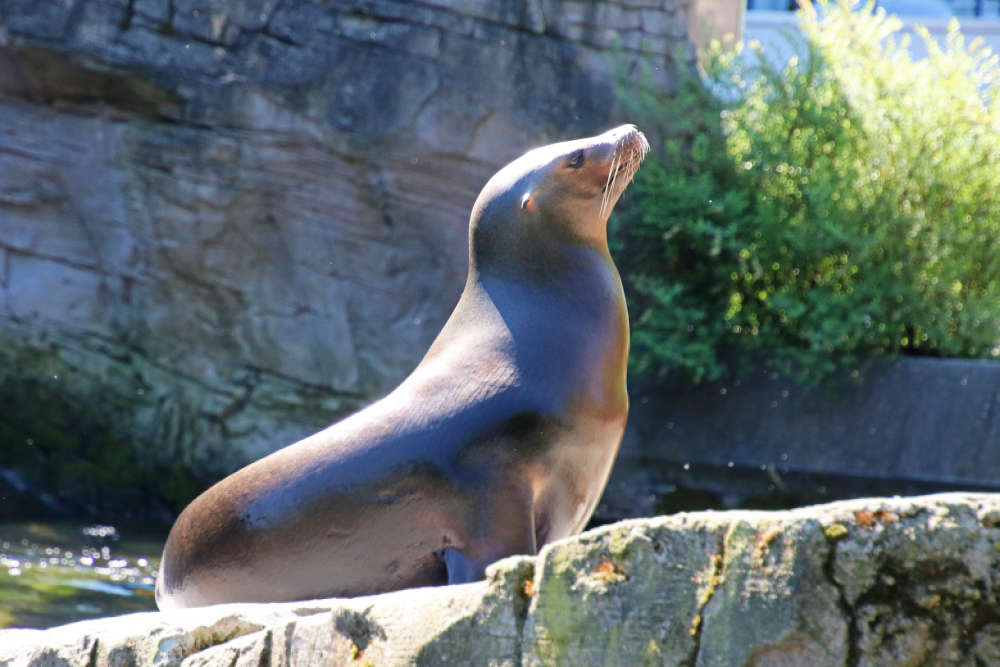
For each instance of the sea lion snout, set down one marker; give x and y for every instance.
(623, 148)
(624, 138)
(615, 158)
(627, 132)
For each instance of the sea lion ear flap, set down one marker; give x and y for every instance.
(527, 203)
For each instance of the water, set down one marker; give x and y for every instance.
(52, 574)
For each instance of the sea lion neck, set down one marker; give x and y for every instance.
(531, 253)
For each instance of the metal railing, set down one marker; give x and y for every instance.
(976, 8)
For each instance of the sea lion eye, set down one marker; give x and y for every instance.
(575, 160)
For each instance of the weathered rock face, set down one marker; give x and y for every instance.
(900, 581)
(225, 224)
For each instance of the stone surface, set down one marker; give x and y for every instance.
(876, 581)
(223, 225)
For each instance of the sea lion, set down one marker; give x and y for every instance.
(500, 441)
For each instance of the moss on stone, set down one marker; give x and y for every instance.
(179, 488)
(61, 446)
(835, 531)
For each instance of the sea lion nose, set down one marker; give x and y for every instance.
(623, 130)
(630, 135)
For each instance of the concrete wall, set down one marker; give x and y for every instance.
(914, 425)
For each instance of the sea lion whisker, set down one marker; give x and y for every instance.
(633, 165)
(611, 181)
(614, 183)
(638, 154)
(622, 166)
(607, 187)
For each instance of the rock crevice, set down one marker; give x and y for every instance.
(718, 560)
(847, 609)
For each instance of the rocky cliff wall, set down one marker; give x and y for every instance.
(905, 581)
(224, 225)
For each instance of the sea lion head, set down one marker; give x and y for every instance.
(564, 191)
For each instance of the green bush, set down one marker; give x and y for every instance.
(843, 206)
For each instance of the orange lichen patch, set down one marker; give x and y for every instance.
(529, 588)
(609, 572)
(762, 542)
(867, 518)
(886, 517)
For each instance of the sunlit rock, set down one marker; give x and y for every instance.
(874, 581)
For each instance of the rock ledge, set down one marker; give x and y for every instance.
(872, 581)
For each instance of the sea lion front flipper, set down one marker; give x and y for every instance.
(508, 529)
(461, 568)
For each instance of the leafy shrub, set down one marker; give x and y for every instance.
(677, 239)
(842, 206)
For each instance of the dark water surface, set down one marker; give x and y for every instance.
(55, 573)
